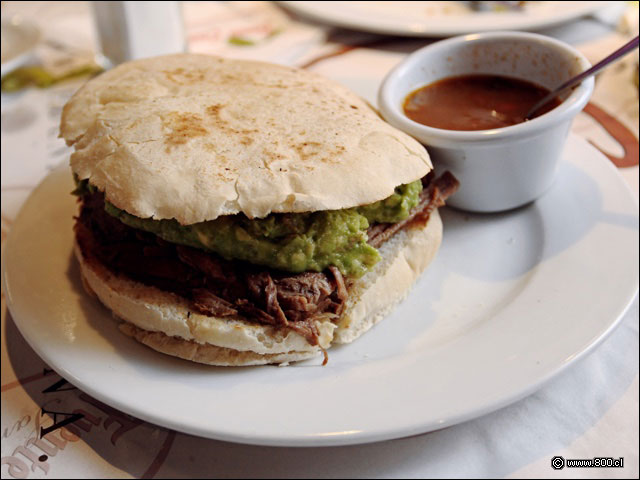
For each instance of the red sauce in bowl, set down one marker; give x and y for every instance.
(475, 102)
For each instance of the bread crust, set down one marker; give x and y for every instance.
(165, 322)
(193, 137)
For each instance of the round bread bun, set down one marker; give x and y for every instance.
(193, 137)
(164, 321)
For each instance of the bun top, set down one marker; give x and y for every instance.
(193, 137)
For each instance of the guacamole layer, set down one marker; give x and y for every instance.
(293, 242)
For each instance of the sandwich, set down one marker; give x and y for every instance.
(243, 213)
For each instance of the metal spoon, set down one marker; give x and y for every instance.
(622, 51)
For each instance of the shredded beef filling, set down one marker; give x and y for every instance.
(221, 288)
(434, 193)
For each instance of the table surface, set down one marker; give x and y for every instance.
(590, 410)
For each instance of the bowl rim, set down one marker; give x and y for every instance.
(570, 107)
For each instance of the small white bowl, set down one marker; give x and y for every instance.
(502, 168)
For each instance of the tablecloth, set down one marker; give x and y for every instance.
(590, 410)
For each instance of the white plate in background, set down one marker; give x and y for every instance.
(437, 19)
(510, 301)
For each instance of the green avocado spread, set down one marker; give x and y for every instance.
(294, 242)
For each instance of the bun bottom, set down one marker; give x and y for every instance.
(164, 321)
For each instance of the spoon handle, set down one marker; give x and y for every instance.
(622, 51)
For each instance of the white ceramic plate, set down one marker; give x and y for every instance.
(19, 39)
(510, 301)
(435, 19)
